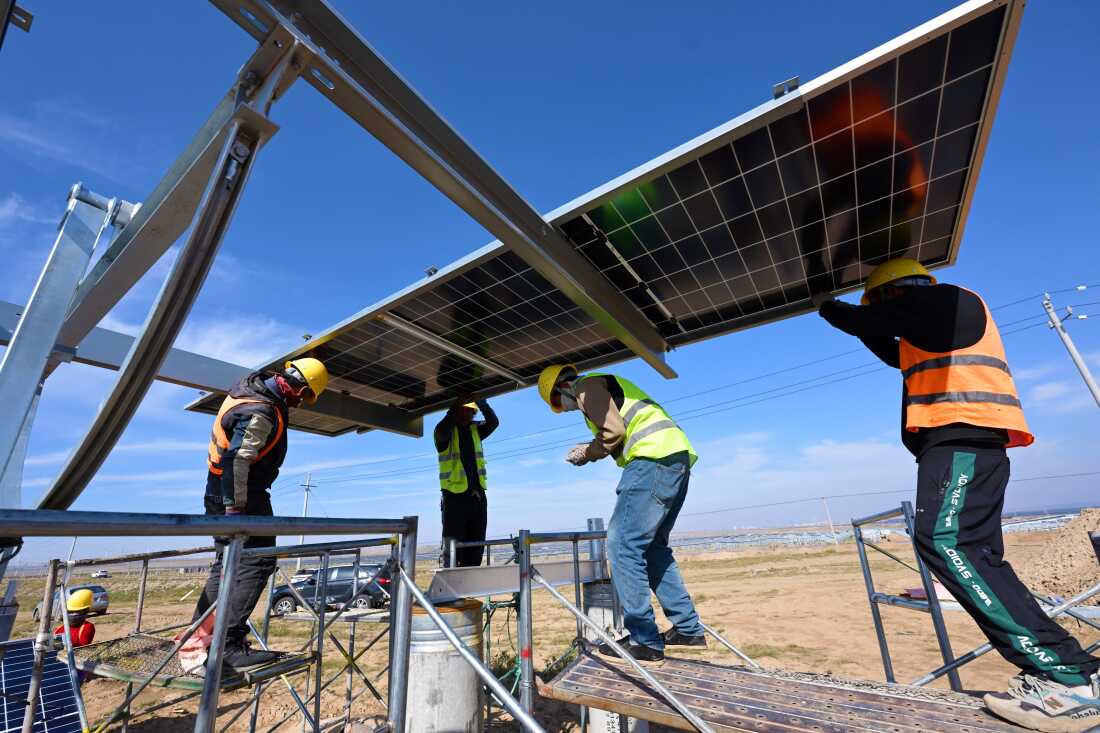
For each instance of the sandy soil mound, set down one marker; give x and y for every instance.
(1068, 564)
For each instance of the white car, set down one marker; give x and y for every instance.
(101, 574)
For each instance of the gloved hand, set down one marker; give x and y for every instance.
(818, 299)
(578, 455)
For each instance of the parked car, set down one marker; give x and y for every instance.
(101, 574)
(338, 590)
(100, 601)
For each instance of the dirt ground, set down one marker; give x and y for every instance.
(795, 609)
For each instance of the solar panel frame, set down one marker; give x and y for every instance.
(56, 712)
(764, 148)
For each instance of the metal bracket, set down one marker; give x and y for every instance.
(785, 87)
(439, 342)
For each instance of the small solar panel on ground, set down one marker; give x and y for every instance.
(802, 195)
(56, 711)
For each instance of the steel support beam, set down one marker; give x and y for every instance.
(33, 339)
(170, 208)
(344, 68)
(443, 344)
(12, 14)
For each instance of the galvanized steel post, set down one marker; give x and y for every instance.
(43, 642)
(211, 687)
(876, 615)
(322, 584)
(933, 600)
(142, 581)
(258, 691)
(401, 629)
(524, 622)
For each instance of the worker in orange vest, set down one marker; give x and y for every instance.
(247, 446)
(960, 411)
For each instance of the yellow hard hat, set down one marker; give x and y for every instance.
(314, 372)
(891, 271)
(471, 406)
(80, 600)
(547, 381)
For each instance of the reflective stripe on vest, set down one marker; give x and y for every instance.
(650, 432)
(219, 441)
(452, 474)
(973, 386)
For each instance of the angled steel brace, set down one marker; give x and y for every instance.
(346, 70)
(443, 344)
(168, 210)
(12, 14)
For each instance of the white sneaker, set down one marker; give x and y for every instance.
(1047, 706)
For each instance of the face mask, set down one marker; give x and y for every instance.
(568, 398)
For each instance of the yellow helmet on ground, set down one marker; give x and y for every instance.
(79, 601)
(548, 379)
(315, 374)
(892, 271)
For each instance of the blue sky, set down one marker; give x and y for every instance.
(559, 98)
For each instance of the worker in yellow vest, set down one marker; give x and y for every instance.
(247, 446)
(656, 457)
(960, 411)
(462, 477)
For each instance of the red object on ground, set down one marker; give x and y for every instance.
(81, 634)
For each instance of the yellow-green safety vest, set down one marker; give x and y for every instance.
(650, 432)
(452, 475)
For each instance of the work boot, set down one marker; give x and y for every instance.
(673, 637)
(239, 655)
(1044, 705)
(639, 652)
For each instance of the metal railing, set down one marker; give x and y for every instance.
(932, 605)
(401, 539)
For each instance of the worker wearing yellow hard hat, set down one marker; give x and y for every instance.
(463, 478)
(960, 412)
(79, 607)
(656, 457)
(248, 444)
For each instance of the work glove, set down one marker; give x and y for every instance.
(578, 455)
(819, 299)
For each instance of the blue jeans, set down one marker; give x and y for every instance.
(651, 494)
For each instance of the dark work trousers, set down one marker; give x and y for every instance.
(960, 494)
(252, 573)
(464, 518)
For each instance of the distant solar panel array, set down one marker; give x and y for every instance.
(805, 194)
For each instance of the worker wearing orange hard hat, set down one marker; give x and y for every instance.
(248, 444)
(463, 478)
(656, 457)
(960, 412)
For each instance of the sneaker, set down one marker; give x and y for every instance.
(242, 656)
(1044, 705)
(673, 637)
(640, 652)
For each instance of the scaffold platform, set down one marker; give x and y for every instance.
(135, 658)
(741, 699)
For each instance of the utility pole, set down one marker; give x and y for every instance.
(829, 516)
(306, 488)
(1058, 324)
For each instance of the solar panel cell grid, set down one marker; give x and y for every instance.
(56, 711)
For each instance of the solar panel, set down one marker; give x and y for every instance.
(804, 194)
(56, 712)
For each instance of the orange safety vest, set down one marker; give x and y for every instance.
(972, 386)
(219, 441)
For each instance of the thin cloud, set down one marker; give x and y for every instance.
(46, 459)
(15, 208)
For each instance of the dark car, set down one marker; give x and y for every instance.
(100, 601)
(373, 589)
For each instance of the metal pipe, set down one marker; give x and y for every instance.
(899, 602)
(401, 630)
(211, 686)
(333, 548)
(542, 538)
(721, 640)
(577, 587)
(597, 549)
(934, 609)
(877, 517)
(52, 523)
(350, 683)
(499, 542)
(452, 553)
(524, 622)
(518, 711)
(43, 643)
(869, 585)
(262, 638)
(121, 559)
(323, 586)
(142, 580)
(290, 688)
(979, 651)
(684, 710)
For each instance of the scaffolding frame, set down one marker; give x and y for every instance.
(932, 605)
(401, 538)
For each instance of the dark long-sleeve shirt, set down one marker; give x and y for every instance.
(445, 428)
(938, 318)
